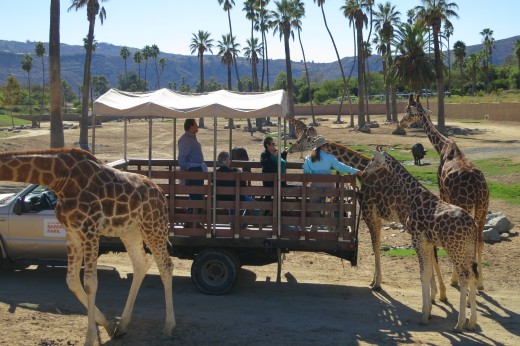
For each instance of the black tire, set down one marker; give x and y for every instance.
(215, 271)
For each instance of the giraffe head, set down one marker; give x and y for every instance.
(379, 167)
(305, 142)
(413, 112)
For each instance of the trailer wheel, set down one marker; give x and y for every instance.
(215, 271)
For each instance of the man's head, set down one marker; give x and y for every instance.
(223, 159)
(190, 125)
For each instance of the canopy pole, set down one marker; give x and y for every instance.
(94, 134)
(279, 183)
(174, 140)
(150, 147)
(126, 138)
(214, 178)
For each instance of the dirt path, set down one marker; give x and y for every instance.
(320, 299)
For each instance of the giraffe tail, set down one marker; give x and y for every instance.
(474, 266)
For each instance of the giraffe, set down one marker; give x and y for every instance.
(301, 130)
(460, 182)
(432, 222)
(374, 205)
(94, 200)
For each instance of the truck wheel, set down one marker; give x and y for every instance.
(215, 271)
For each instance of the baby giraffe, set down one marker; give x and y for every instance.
(432, 222)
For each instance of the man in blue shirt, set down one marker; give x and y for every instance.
(320, 161)
(190, 156)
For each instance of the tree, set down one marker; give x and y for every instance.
(459, 51)
(345, 83)
(249, 8)
(226, 48)
(146, 54)
(262, 25)
(516, 49)
(355, 11)
(473, 65)
(412, 66)
(433, 14)
(93, 10)
(27, 65)
(282, 19)
(201, 43)
(57, 136)
(300, 13)
(162, 65)
(251, 51)
(40, 53)
(154, 53)
(386, 18)
(448, 31)
(488, 42)
(12, 94)
(138, 58)
(124, 52)
(227, 6)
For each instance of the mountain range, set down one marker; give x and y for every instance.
(107, 62)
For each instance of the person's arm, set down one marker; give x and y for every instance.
(306, 167)
(341, 167)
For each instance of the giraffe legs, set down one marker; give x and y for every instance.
(134, 246)
(374, 227)
(425, 253)
(442, 286)
(87, 294)
(467, 281)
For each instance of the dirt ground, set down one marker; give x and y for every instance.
(320, 300)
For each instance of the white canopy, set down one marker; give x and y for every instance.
(170, 104)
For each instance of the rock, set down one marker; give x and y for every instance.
(400, 131)
(500, 223)
(491, 235)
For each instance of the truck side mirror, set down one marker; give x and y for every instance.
(18, 206)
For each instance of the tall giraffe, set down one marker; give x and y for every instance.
(431, 221)
(374, 205)
(94, 200)
(460, 182)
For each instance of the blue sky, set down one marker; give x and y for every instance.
(163, 22)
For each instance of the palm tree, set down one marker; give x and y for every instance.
(93, 10)
(459, 51)
(39, 49)
(367, 53)
(345, 84)
(355, 10)
(146, 53)
(488, 42)
(473, 65)
(226, 48)
(386, 18)
(200, 43)
(252, 51)
(448, 31)
(27, 65)
(282, 19)
(263, 17)
(433, 14)
(57, 136)
(138, 58)
(162, 65)
(412, 65)
(249, 8)
(154, 53)
(516, 49)
(124, 52)
(227, 6)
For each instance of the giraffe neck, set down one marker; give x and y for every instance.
(410, 185)
(349, 156)
(299, 126)
(437, 139)
(44, 167)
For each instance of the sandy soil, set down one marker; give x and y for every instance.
(320, 299)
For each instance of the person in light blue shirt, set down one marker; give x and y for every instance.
(320, 161)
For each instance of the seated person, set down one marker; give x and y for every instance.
(321, 161)
(269, 160)
(224, 163)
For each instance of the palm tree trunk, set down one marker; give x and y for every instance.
(83, 123)
(234, 53)
(43, 92)
(361, 82)
(307, 78)
(201, 66)
(57, 137)
(440, 83)
(290, 87)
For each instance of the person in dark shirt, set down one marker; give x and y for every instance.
(269, 160)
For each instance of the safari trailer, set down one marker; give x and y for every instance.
(277, 222)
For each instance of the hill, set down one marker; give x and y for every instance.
(107, 61)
